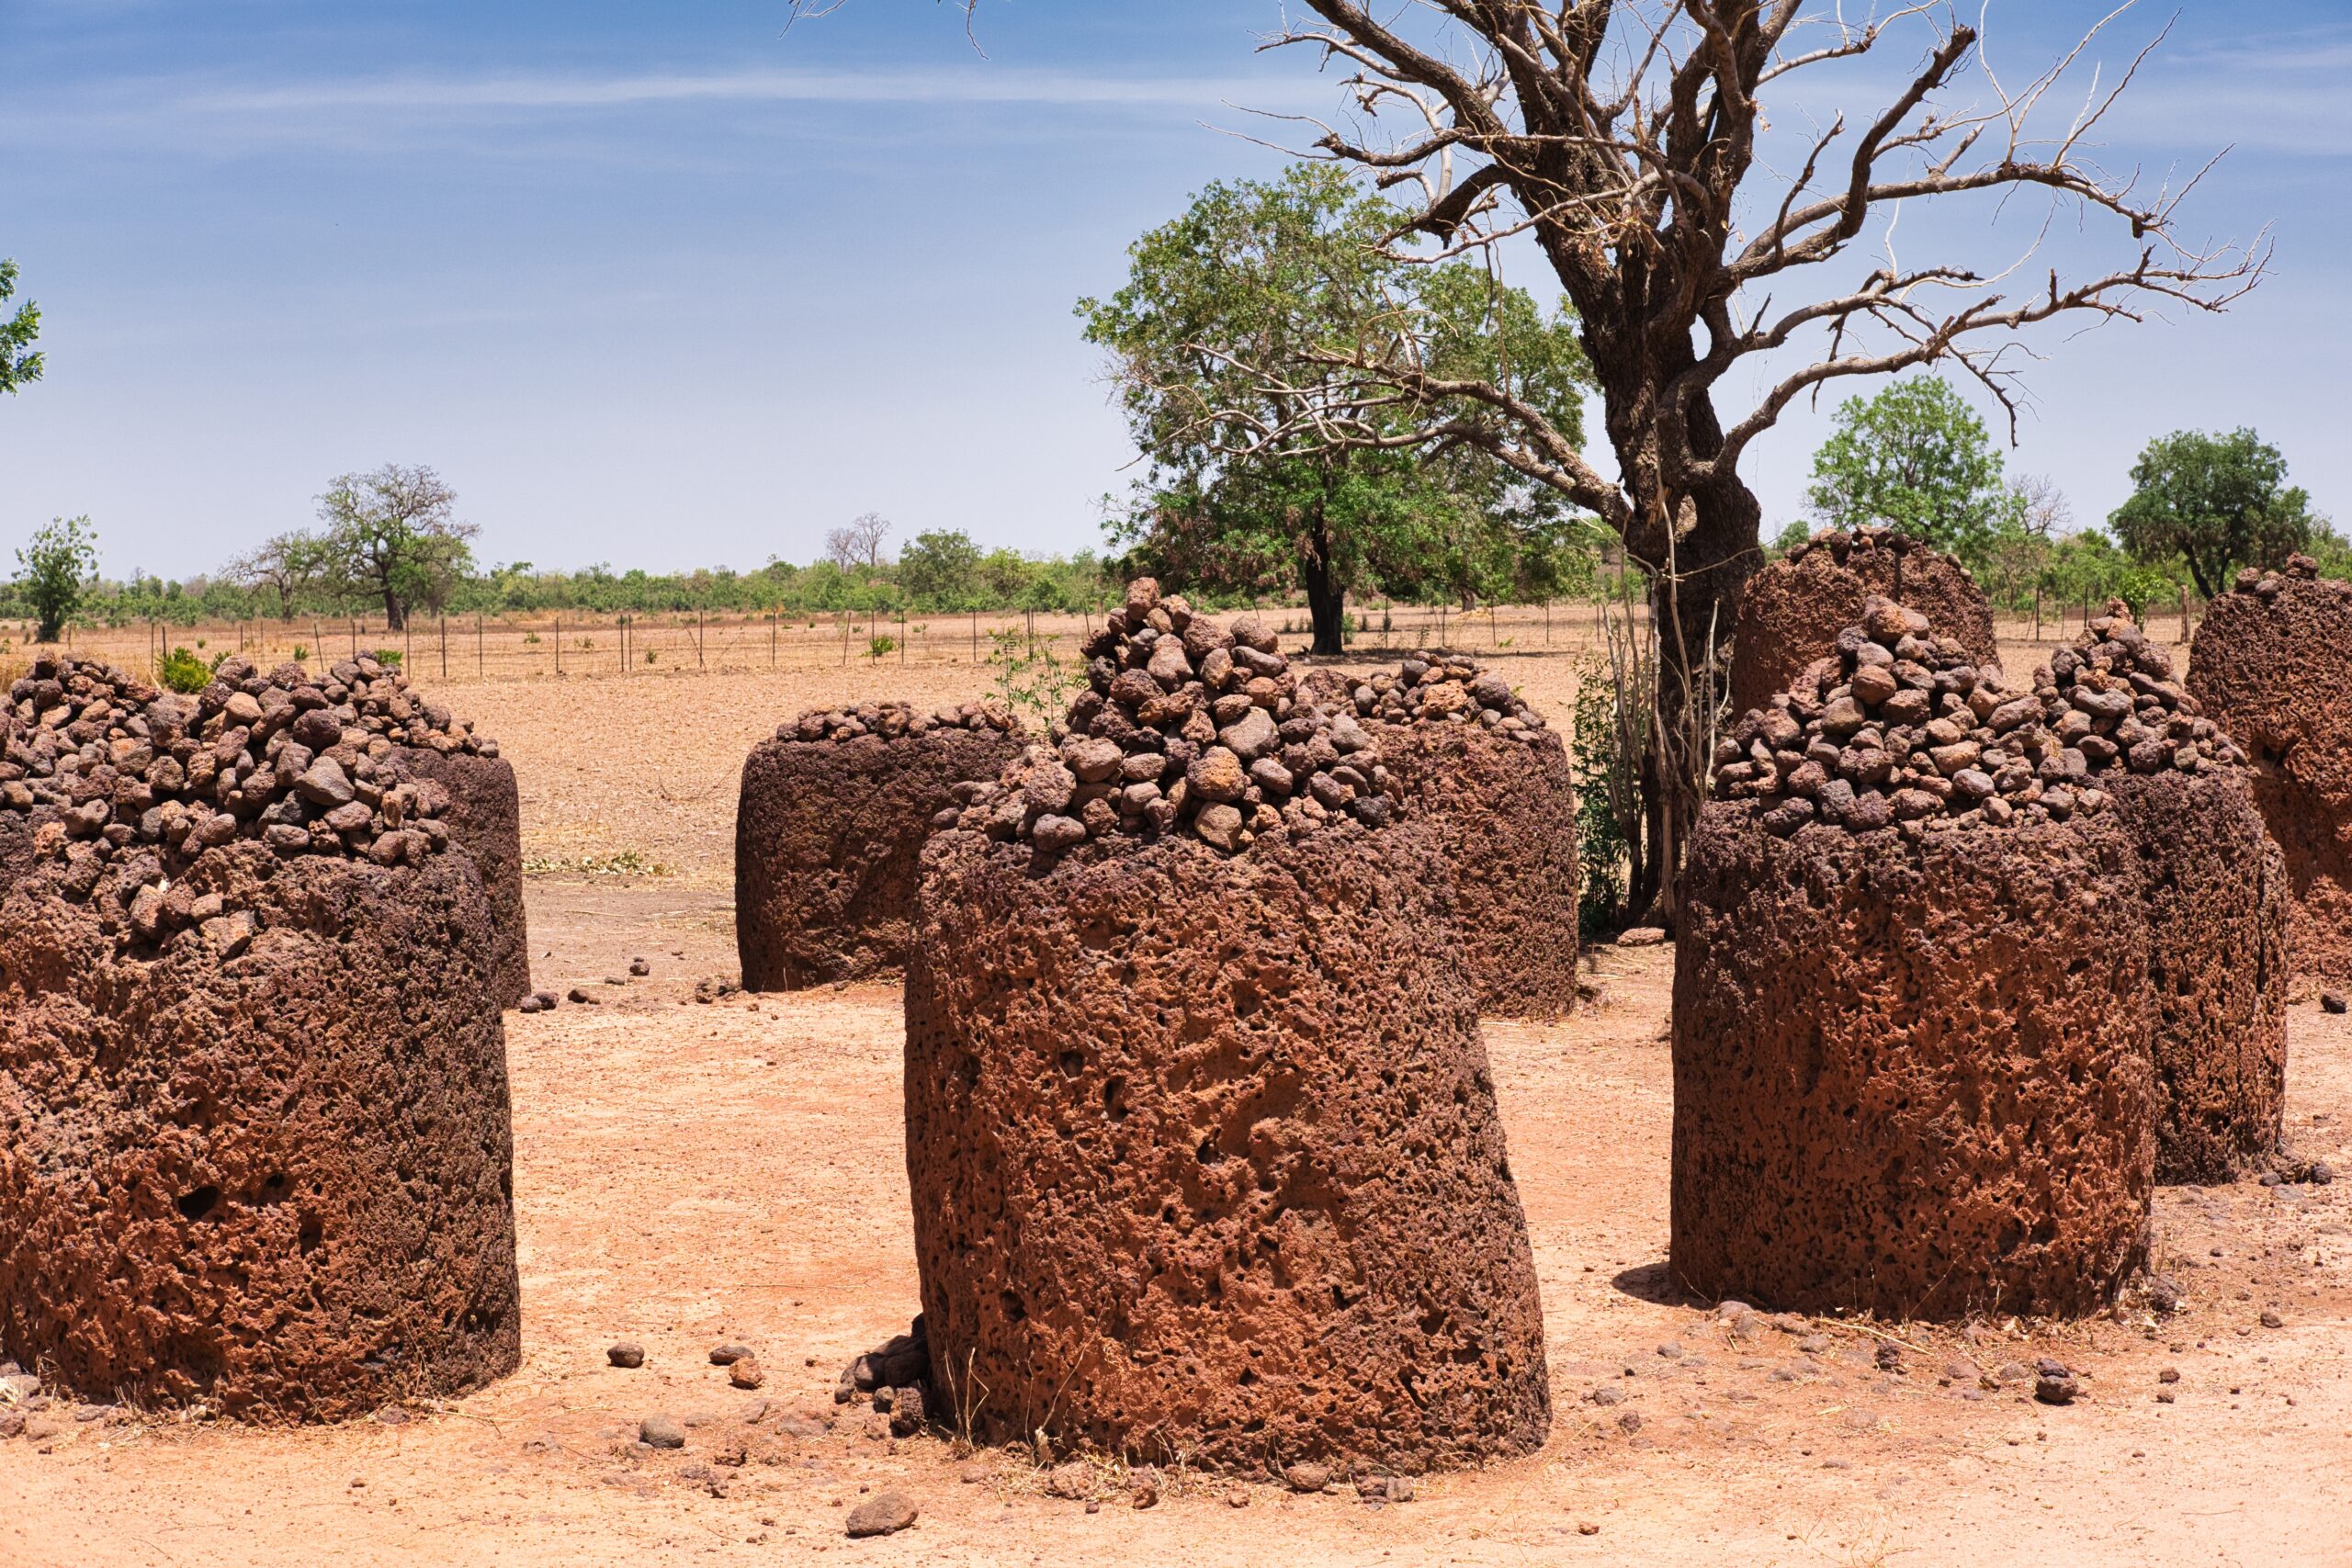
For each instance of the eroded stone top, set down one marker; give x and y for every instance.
(2300, 569)
(133, 784)
(1841, 546)
(891, 720)
(1898, 726)
(1185, 726)
(1435, 686)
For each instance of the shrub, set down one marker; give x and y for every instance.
(876, 646)
(184, 672)
(302, 653)
(390, 657)
(1604, 776)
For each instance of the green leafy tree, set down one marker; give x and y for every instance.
(1915, 456)
(2215, 502)
(1235, 318)
(53, 571)
(19, 363)
(393, 535)
(941, 569)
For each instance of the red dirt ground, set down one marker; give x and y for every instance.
(687, 1175)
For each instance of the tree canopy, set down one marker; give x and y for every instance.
(53, 570)
(1285, 273)
(1915, 456)
(20, 361)
(2216, 504)
(394, 536)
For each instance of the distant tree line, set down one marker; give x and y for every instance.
(2203, 506)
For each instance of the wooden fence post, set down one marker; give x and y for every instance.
(479, 656)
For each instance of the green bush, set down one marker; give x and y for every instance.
(1598, 754)
(182, 671)
(390, 657)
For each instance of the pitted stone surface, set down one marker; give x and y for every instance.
(1205, 1157)
(264, 1166)
(1912, 1073)
(2217, 903)
(829, 825)
(485, 819)
(2272, 662)
(1792, 609)
(1466, 757)
(118, 786)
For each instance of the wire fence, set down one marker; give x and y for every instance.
(455, 649)
(458, 650)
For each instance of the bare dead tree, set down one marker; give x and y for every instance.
(1621, 140)
(288, 565)
(858, 546)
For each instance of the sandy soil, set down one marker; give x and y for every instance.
(692, 1174)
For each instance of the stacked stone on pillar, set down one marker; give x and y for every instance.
(260, 1154)
(1482, 769)
(2216, 895)
(1201, 1134)
(828, 823)
(1791, 609)
(1913, 1073)
(2271, 663)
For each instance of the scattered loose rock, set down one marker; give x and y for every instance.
(1307, 1477)
(885, 1513)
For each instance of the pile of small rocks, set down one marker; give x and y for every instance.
(1900, 726)
(1439, 687)
(894, 1378)
(1186, 726)
(2266, 585)
(1857, 548)
(2113, 698)
(891, 720)
(127, 785)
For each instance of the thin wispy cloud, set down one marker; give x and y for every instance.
(976, 85)
(211, 116)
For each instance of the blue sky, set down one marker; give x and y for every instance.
(674, 285)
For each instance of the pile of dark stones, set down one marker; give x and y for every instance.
(891, 720)
(120, 786)
(894, 1379)
(1439, 687)
(2270, 584)
(1186, 727)
(1900, 726)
